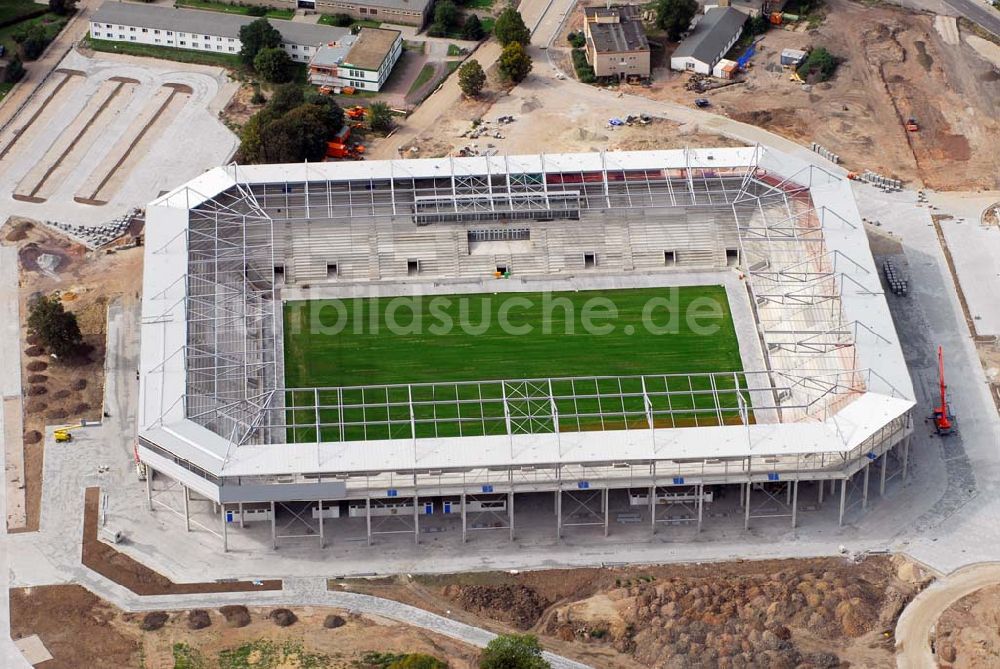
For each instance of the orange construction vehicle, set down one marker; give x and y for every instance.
(911, 125)
(339, 147)
(356, 112)
(944, 419)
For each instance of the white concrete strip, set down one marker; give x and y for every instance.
(33, 649)
(947, 26)
(10, 387)
(10, 657)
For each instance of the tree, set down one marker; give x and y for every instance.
(286, 97)
(332, 114)
(445, 18)
(62, 7)
(471, 78)
(510, 28)
(513, 651)
(514, 63)
(273, 65)
(31, 41)
(298, 135)
(255, 37)
(675, 16)
(15, 70)
(55, 327)
(473, 29)
(380, 117)
(417, 661)
(819, 66)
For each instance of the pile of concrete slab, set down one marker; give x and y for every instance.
(96, 236)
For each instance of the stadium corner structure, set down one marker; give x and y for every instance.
(823, 391)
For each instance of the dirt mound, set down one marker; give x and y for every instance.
(61, 394)
(333, 621)
(37, 366)
(35, 391)
(58, 414)
(198, 619)
(34, 351)
(38, 378)
(517, 604)
(35, 406)
(32, 437)
(282, 617)
(153, 621)
(80, 408)
(79, 384)
(19, 231)
(236, 615)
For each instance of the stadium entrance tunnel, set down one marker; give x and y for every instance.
(674, 508)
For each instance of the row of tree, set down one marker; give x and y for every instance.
(291, 128)
(514, 63)
(262, 51)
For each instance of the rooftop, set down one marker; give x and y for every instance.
(712, 34)
(209, 23)
(627, 34)
(371, 48)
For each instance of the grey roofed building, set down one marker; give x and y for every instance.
(209, 23)
(619, 37)
(711, 35)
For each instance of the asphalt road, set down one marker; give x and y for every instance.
(976, 11)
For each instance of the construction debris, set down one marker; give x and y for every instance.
(96, 236)
(898, 283)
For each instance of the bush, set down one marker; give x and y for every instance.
(473, 29)
(198, 619)
(675, 16)
(471, 78)
(513, 651)
(577, 40)
(509, 27)
(820, 65)
(256, 10)
(236, 615)
(273, 64)
(153, 621)
(255, 37)
(56, 327)
(379, 117)
(445, 19)
(15, 71)
(283, 617)
(341, 20)
(584, 72)
(333, 621)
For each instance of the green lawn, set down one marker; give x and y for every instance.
(352, 353)
(53, 23)
(211, 6)
(229, 60)
(425, 74)
(478, 4)
(11, 10)
(329, 20)
(5, 89)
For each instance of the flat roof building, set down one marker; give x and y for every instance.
(200, 30)
(404, 12)
(713, 36)
(616, 41)
(364, 61)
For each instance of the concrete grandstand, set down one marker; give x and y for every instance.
(824, 393)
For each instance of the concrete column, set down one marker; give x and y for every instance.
(187, 509)
(864, 488)
(652, 509)
(149, 488)
(558, 514)
(368, 518)
(833, 486)
(906, 457)
(225, 530)
(743, 494)
(701, 503)
(881, 481)
(322, 539)
(464, 531)
(843, 500)
(242, 525)
(606, 512)
(788, 494)
(416, 518)
(822, 484)
(795, 503)
(746, 507)
(510, 513)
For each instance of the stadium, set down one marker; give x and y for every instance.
(350, 350)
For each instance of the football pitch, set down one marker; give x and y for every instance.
(459, 362)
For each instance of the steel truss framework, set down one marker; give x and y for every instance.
(233, 352)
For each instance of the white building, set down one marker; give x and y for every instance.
(199, 30)
(713, 36)
(364, 62)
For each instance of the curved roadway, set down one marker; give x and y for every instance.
(915, 625)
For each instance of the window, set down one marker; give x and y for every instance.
(295, 47)
(373, 11)
(107, 25)
(144, 30)
(170, 41)
(689, 65)
(132, 38)
(156, 32)
(589, 260)
(170, 32)
(156, 40)
(231, 39)
(732, 257)
(219, 48)
(121, 37)
(669, 258)
(412, 267)
(363, 10)
(131, 29)
(232, 48)
(332, 270)
(183, 43)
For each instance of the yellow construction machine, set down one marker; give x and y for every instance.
(63, 433)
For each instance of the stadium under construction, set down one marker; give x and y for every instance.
(821, 404)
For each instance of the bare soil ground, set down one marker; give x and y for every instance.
(967, 635)
(823, 612)
(137, 577)
(896, 66)
(240, 108)
(81, 630)
(60, 392)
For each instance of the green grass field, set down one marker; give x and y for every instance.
(354, 353)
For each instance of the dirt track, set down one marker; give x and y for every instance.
(914, 629)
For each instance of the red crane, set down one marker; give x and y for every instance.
(944, 420)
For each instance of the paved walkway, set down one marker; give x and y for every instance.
(917, 622)
(10, 382)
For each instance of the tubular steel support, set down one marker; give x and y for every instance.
(882, 468)
(274, 528)
(368, 517)
(149, 488)
(510, 512)
(464, 521)
(187, 508)
(864, 488)
(795, 503)
(843, 501)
